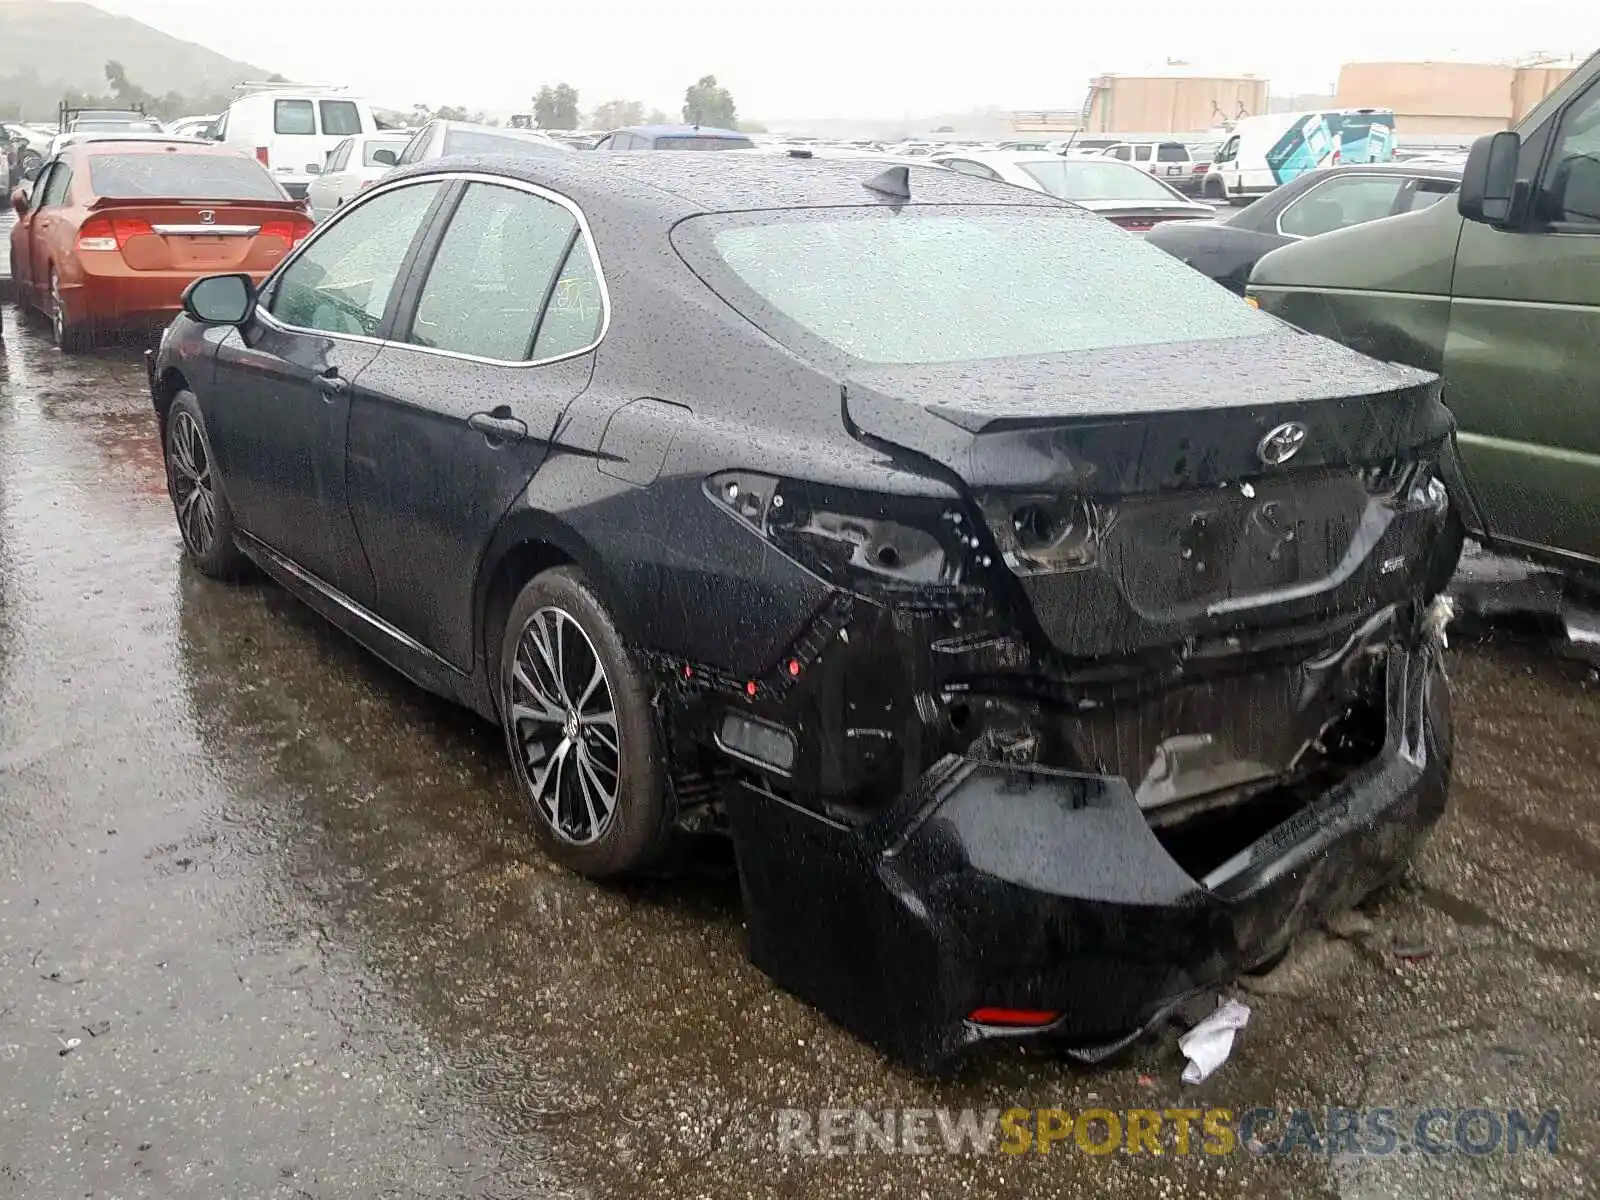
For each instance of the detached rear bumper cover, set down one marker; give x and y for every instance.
(1002, 886)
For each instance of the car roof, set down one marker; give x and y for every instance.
(1432, 170)
(675, 186)
(681, 131)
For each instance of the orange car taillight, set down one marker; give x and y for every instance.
(292, 230)
(111, 233)
(263, 155)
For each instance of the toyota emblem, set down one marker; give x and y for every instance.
(207, 216)
(1282, 443)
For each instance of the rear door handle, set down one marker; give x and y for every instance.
(498, 425)
(332, 385)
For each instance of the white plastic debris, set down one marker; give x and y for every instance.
(1440, 613)
(1207, 1045)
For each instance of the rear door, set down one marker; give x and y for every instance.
(279, 408)
(1521, 369)
(457, 413)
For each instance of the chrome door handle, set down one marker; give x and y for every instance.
(331, 385)
(498, 425)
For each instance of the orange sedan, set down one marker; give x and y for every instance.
(112, 232)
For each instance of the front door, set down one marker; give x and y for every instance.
(1521, 371)
(44, 211)
(450, 426)
(279, 409)
(22, 239)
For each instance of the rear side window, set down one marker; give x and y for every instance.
(293, 116)
(500, 262)
(180, 177)
(930, 286)
(55, 191)
(340, 117)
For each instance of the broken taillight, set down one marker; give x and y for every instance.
(1044, 534)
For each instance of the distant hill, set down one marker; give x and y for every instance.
(47, 48)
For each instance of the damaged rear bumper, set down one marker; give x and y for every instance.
(999, 901)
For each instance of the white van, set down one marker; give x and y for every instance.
(1262, 152)
(290, 127)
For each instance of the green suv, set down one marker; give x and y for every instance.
(1500, 293)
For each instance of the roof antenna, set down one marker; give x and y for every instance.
(894, 181)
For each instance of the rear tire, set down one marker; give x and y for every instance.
(69, 337)
(581, 731)
(205, 519)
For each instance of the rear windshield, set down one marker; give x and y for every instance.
(702, 143)
(1087, 179)
(115, 127)
(936, 286)
(476, 141)
(180, 177)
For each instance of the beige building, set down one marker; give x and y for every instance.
(1175, 101)
(1449, 97)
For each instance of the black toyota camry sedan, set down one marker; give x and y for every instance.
(1049, 631)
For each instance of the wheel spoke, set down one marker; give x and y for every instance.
(543, 778)
(594, 792)
(540, 634)
(542, 707)
(596, 680)
(604, 732)
(560, 638)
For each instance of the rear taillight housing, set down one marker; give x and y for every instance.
(111, 233)
(263, 156)
(292, 229)
(1201, 168)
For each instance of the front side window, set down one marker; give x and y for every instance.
(369, 154)
(1228, 151)
(930, 286)
(1429, 192)
(493, 273)
(340, 117)
(293, 116)
(341, 281)
(1570, 191)
(1340, 203)
(1141, 154)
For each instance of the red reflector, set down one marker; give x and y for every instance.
(111, 233)
(262, 156)
(749, 688)
(291, 230)
(1011, 1016)
(794, 666)
(1137, 226)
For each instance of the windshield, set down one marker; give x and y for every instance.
(702, 143)
(1086, 179)
(936, 286)
(477, 141)
(180, 177)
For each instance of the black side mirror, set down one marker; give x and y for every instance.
(1489, 180)
(220, 299)
(386, 158)
(31, 171)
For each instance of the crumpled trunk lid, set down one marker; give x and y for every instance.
(1229, 483)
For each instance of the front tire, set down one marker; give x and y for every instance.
(204, 517)
(580, 730)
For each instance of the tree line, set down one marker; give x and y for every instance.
(705, 102)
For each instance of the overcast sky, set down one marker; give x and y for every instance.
(832, 58)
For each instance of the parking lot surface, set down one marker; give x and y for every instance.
(272, 924)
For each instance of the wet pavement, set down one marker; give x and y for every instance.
(272, 924)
